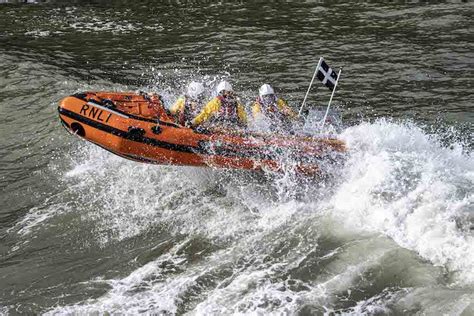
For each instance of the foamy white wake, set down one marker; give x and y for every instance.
(401, 182)
(398, 182)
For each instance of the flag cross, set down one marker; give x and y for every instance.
(326, 75)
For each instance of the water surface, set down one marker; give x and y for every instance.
(84, 231)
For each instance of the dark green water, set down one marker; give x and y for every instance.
(83, 231)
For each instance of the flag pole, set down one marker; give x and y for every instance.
(310, 84)
(329, 104)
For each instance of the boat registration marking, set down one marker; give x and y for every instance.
(98, 112)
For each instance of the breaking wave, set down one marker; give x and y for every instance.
(395, 221)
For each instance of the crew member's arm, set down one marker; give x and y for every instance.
(285, 109)
(211, 107)
(241, 114)
(256, 110)
(177, 106)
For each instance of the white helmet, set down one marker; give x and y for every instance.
(195, 89)
(224, 85)
(265, 89)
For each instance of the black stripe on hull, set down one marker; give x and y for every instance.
(126, 135)
(204, 148)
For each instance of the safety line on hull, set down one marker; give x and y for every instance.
(126, 135)
(107, 109)
(250, 153)
(128, 115)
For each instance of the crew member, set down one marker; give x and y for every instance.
(189, 105)
(225, 109)
(269, 105)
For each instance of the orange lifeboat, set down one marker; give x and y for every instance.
(137, 126)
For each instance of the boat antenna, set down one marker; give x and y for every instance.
(310, 84)
(329, 104)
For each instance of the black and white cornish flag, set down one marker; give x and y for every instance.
(326, 75)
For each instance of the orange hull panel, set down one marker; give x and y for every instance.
(137, 127)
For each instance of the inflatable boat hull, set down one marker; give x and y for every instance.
(137, 127)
